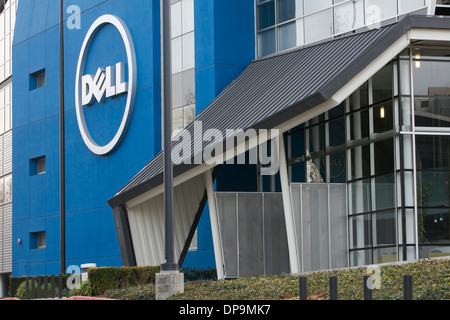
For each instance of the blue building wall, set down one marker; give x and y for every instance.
(224, 31)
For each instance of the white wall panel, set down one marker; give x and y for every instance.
(147, 222)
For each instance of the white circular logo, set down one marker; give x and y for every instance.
(105, 84)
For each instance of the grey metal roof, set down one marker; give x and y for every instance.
(276, 88)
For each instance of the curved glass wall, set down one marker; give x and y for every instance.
(284, 24)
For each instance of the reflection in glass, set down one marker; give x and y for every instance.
(385, 192)
(433, 189)
(360, 196)
(433, 111)
(318, 26)
(383, 118)
(434, 226)
(410, 5)
(266, 42)
(382, 84)
(361, 228)
(287, 36)
(432, 79)
(348, 16)
(266, 15)
(432, 152)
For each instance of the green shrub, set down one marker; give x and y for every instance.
(21, 291)
(85, 290)
(109, 278)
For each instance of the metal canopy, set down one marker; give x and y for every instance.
(276, 88)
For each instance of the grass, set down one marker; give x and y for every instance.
(431, 281)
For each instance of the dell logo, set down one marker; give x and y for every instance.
(106, 83)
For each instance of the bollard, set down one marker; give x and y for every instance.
(367, 290)
(333, 288)
(407, 287)
(303, 294)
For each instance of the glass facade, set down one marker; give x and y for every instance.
(7, 23)
(389, 141)
(284, 24)
(183, 63)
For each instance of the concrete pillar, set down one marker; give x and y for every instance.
(169, 283)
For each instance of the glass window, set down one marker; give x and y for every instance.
(360, 196)
(287, 36)
(177, 90)
(188, 90)
(433, 152)
(188, 51)
(348, 16)
(433, 188)
(316, 5)
(405, 6)
(378, 10)
(266, 15)
(266, 42)
(361, 226)
(385, 229)
(383, 118)
(176, 19)
(431, 78)
(289, 9)
(177, 55)
(384, 192)
(359, 125)
(382, 84)
(360, 162)
(187, 16)
(434, 226)
(384, 157)
(318, 26)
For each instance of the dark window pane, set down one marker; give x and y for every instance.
(384, 157)
(383, 118)
(360, 162)
(433, 111)
(266, 15)
(382, 84)
(433, 152)
(285, 10)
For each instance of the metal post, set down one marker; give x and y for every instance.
(45, 287)
(39, 285)
(32, 287)
(303, 293)
(27, 288)
(53, 286)
(367, 290)
(333, 288)
(170, 264)
(62, 195)
(60, 285)
(407, 287)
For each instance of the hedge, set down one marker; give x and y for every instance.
(108, 278)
